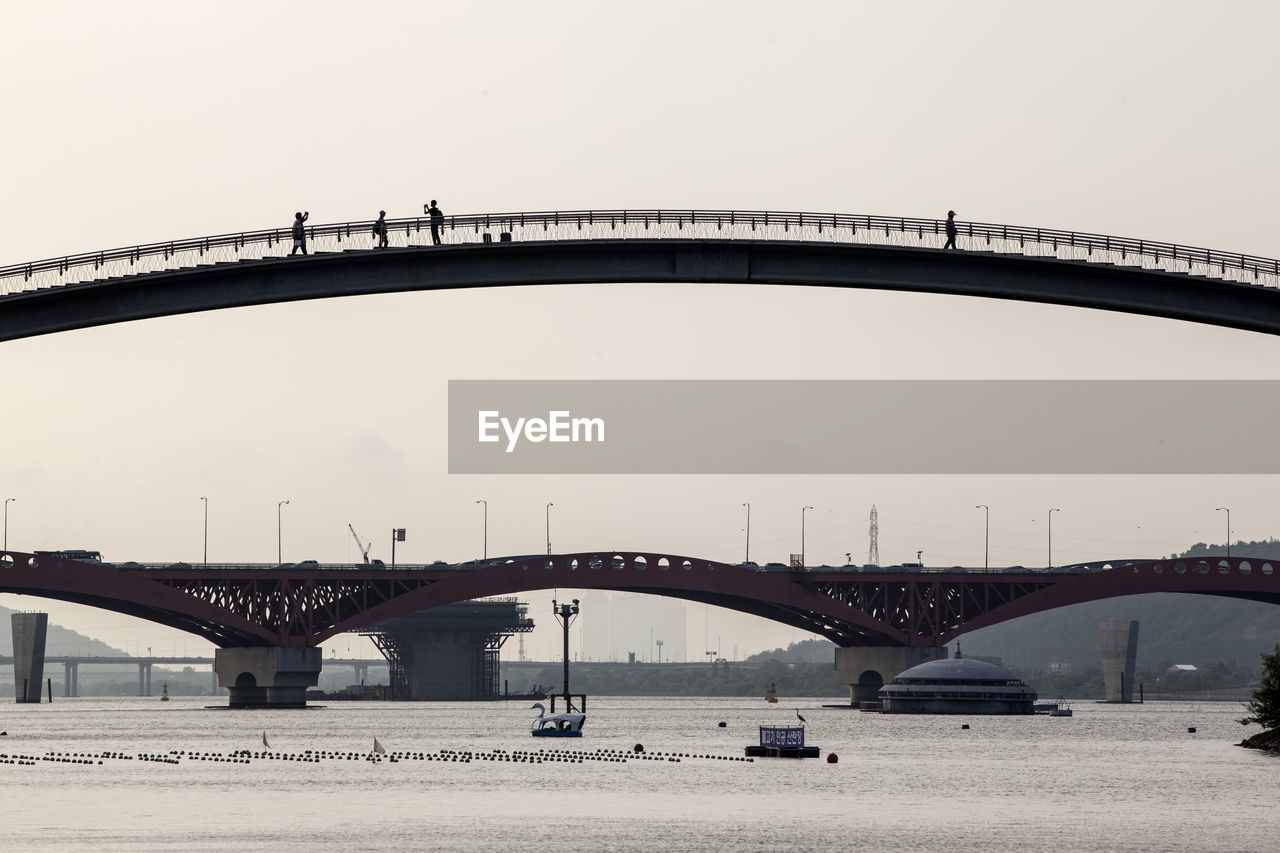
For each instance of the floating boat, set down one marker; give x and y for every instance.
(1061, 709)
(557, 725)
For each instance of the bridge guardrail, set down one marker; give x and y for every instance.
(1229, 267)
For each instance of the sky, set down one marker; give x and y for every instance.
(138, 122)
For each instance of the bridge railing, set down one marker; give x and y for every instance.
(842, 228)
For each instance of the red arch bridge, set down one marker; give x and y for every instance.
(268, 621)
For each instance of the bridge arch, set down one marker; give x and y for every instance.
(736, 247)
(252, 606)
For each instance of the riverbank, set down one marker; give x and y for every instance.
(1268, 740)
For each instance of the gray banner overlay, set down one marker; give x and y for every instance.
(864, 427)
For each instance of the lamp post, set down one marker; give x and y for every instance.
(1051, 512)
(6, 522)
(549, 506)
(802, 512)
(565, 613)
(206, 531)
(1228, 512)
(747, 557)
(279, 534)
(986, 548)
(486, 527)
(397, 535)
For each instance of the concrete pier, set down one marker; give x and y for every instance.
(1119, 642)
(268, 676)
(29, 630)
(868, 668)
(449, 653)
(70, 679)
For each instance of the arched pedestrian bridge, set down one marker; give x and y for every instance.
(911, 611)
(652, 246)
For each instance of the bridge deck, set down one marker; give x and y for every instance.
(868, 606)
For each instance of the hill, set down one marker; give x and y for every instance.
(1173, 627)
(59, 641)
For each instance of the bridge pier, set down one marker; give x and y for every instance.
(268, 676)
(71, 679)
(868, 668)
(29, 630)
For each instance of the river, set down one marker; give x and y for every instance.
(1110, 778)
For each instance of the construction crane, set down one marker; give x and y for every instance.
(364, 549)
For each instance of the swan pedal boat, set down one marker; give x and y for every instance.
(557, 725)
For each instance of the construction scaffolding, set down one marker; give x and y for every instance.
(449, 652)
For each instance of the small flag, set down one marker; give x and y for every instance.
(378, 748)
(264, 740)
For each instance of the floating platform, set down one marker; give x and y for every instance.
(782, 742)
(782, 751)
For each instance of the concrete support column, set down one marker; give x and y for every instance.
(444, 665)
(144, 679)
(1119, 642)
(69, 678)
(868, 668)
(362, 672)
(29, 630)
(268, 676)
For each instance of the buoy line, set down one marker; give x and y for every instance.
(311, 756)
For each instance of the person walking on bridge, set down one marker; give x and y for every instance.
(380, 230)
(300, 232)
(951, 230)
(437, 220)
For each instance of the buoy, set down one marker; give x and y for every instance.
(638, 748)
(722, 725)
(965, 726)
(1191, 730)
(832, 758)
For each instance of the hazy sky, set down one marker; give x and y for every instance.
(138, 122)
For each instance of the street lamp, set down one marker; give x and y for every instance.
(206, 531)
(986, 549)
(1228, 512)
(549, 506)
(279, 534)
(486, 527)
(6, 522)
(565, 613)
(802, 512)
(1051, 512)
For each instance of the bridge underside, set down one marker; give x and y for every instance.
(971, 273)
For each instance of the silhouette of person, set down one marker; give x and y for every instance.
(380, 230)
(951, 230)
(437, 220)
(300, 232)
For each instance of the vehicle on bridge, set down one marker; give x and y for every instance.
(73, 554)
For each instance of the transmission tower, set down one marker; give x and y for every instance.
(873, 554)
